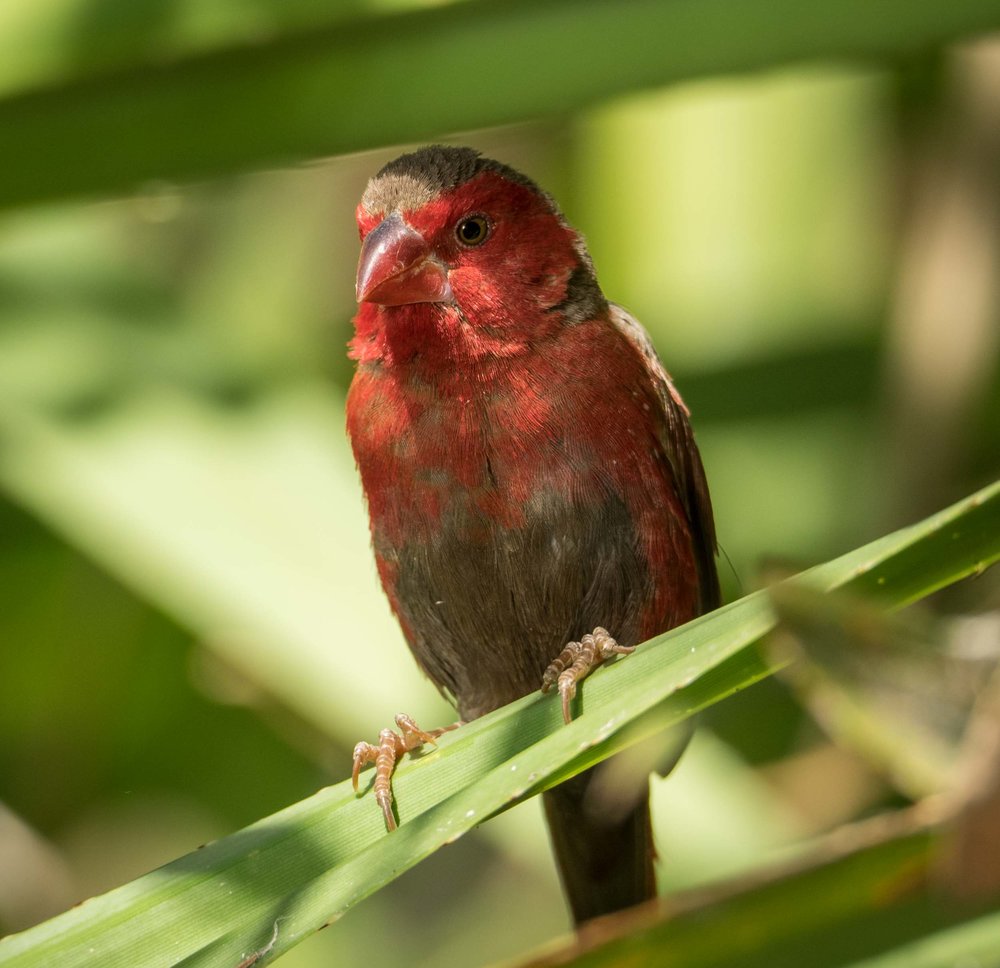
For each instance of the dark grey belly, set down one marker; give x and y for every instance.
(489, 608)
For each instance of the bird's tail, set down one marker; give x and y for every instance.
(605, 862)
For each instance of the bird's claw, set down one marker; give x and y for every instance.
(391, 746)
(577, 661)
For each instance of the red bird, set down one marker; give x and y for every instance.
(530, 471)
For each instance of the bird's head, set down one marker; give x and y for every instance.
(461, 235)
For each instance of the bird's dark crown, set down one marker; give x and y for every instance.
(415, 178)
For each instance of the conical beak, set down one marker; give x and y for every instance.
(397, 267)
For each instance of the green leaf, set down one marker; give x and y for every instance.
(869, 896)
(975, 943)
(348, 84)
(858, 895)
(303, 867)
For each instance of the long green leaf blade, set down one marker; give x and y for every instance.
(382, 79)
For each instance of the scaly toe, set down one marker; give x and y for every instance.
(391, 746)
(577, 660)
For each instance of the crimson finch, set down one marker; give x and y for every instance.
(537, 500)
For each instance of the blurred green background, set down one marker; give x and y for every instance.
(191, 630)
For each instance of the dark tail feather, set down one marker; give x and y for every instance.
(605, 864)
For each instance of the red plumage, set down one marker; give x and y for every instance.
(529, 468)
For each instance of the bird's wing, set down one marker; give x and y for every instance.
(679, 445)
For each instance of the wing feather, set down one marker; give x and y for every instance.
(677, 440)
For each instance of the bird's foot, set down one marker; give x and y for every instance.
(391, 746)
(577, 661)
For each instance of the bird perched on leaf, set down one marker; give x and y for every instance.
(536, 496)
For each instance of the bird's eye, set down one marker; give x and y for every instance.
(473, 230)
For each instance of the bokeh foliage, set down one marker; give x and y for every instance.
(191, 635)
